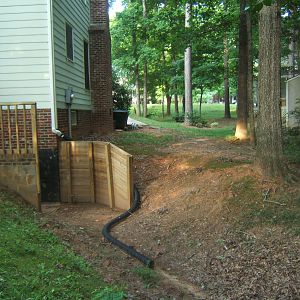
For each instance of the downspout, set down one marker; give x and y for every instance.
(52, 73)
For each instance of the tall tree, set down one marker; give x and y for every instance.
(226, 79)
(242, 114)
(251, 119)
(269, 135)
(145, 64)
(136, 73)
(188, 71)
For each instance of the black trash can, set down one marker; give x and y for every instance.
(120, 118)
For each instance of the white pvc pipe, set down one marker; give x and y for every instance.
(52, 70)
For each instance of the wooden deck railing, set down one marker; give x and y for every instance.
(18, 129)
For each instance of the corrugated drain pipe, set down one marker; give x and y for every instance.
(128, 249)
(108, 226)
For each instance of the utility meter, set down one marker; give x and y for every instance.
(69, 96)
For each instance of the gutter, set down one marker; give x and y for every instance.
(52, 71)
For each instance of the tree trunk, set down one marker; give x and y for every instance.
(226, 79)
(242, 114)
(137, 91)
(145, 90)
(188, 72)
(145, 65)
(169, 98)
(175, 88)
(269, 136)
(167, 87)
(176, 103)
(200, 100)
(251, 119)
(136, 75)
(163, 106)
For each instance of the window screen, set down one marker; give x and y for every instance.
(69, 42)
(86, 65)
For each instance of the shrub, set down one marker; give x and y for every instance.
(121, 96)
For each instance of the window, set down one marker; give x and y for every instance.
(86, 65)
(69, 42)
(74, 117)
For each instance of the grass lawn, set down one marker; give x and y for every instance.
(172, 131)
(34, 264)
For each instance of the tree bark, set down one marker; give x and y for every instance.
(167, 87)
(175, 88)
(226, 79)
(136, 75)
(176, 102)
(188, 72)
(145, 65)
(242, 114)
(201, 99)
(137, 91)
(251, 119)
(145, 90)
(269, 136)
(169, 98)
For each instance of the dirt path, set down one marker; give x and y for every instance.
(188, 225)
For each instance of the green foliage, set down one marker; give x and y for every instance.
(121, 95)
(35, 265)
(198, 121)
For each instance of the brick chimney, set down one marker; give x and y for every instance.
(100, 68)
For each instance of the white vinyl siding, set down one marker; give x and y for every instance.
(24, 52)
(70, 74)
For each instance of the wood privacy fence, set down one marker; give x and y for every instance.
(19, 159)
(95, 172)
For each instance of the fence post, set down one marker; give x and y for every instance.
(129, 179)
(36, 152)
(109, 176)
(2, 131)
(91, 167)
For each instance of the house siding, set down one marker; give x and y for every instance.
(24, 52)
(70, 74)
(293, 96)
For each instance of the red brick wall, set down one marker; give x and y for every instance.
(84, 123)
(101, 71)
(46, 138)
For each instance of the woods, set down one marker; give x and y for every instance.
(212, 51)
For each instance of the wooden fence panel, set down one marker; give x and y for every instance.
(122, 177)
(19, 157)
(95, 172)
(101, 174)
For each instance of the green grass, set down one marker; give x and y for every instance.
(139, 143)
(169, 131)
(35, 265)
(210, 112)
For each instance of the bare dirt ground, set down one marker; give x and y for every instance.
(193, 222)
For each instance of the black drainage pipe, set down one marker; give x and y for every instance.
(128, 249)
